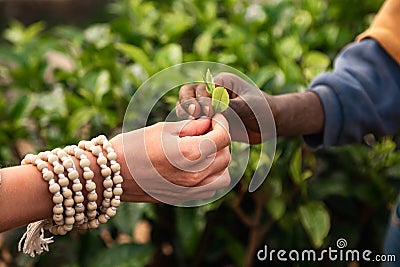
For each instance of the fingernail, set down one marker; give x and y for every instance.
(191, 108)
(206, 110)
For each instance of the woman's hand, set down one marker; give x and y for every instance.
(175, 162)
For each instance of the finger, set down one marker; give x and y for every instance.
(216, 181)
(195, 127)
(219, 121)
(238, 108)
(238, 104)
(181, 113)
(206, 191)
(195, 151)
(183, 146)
(187, 99)
(183, 128)
(219, 163)
(211, 142)
(203, 168)
(220, 132)
(192, 176)
(231, 82)
(204, 98)
(178, 194)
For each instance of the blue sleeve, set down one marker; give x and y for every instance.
(361, 96)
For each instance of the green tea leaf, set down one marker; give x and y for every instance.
(209, 80)
(18, 109)
(102, 87)
(190, 224)
(18, 34)
(220, 99)
(79, 118)
(295, 169)
(136, 54)
(168, 55)
(276, 207)
(316, 221)
(203, 44)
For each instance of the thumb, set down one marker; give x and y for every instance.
(219, 134)
(238, 105)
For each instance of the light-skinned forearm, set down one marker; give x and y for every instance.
(25, 197)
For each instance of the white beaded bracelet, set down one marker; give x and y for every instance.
(112, 179)
(117, 178)
(35, 242)
(105, 172)
(113, 187)
(82, 220)
(77, 187)
(90, 185)
(73, 175)
(67, 223)
(68, 209)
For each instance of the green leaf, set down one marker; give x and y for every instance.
(306, 174)
(210, 10)
(233, 247)
(290, 47)
(313, 63)
(136, 54)
(99, 35)
(79, 118)
(220, 99)
(169, 55)
(276, 207)
(175, 24)
(17, 111)
(128, 215)
(103, 83)
(295, 167)
(19, 35)
(209, 80)
(190, 225)
(203, 43)
(53, 102)
(316, 221)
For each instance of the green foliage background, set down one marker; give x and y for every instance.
(310, 198)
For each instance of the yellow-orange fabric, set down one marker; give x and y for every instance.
(385, 28)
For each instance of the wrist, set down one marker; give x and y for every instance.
(132, 191)
(273, 102)
(75, 204)
(297, 113)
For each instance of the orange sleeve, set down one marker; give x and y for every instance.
(385, 28)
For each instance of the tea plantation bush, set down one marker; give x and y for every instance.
(61, 84)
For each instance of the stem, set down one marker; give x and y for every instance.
(207, 236)
(257, 230)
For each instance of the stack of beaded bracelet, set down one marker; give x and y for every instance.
(58, 168)
(111, 196)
